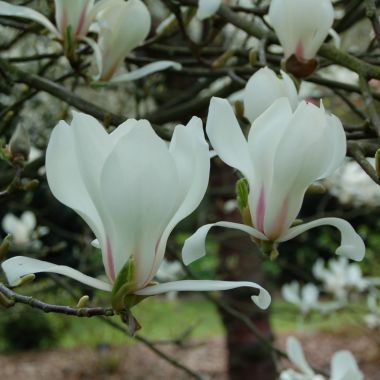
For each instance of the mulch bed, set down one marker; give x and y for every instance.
(137, 362)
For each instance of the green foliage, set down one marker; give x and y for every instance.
(24, 328)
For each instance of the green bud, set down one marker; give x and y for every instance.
(242, 191)
(19, 145)
(83, 302)
(5, 301)
(5, 245)
(316, 188)
(274, 254)
(239, 109)
(222, 60)
(31, 185)
(26, 279)
(377, 163)
(297, 222)
(252, 57)
(122, 298)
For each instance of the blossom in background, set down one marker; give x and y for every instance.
(20, 228)
(285, 153)
(170, 271)
(132, 189)
(305, 298)
(352, 186)
(72, 17)
(301, 26)
(343, 365)
(372, 319)
(263, 88)
(340, 277)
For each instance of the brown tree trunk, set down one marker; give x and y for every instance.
(248, 358)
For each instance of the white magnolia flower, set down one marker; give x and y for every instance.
(72, 17)
(207, 8)
(20, 228)
(132, 189)
(305, 298)
(122, 26)
(340, 276)
(263, 88)
(352, 186)
(285, 153)
(301, 25)
(170, 271)
(343, 365)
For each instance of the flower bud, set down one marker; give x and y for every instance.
(19, 144)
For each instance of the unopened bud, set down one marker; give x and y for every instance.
(83, 302)
(19, 145)
(222, 60)
(5, 245)
(25, 280)
(242, 191)
(5, 301)
(252, 58)
(31, 185)
(274, 254)
(377, 163)
(239, 109)
(316, 188)
(297, 222)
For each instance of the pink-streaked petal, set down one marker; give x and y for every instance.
(194, 247)
(263, 300)
(20, 266)
(352, 245)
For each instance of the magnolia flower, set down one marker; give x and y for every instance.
(285, 153)
(372, 320)
(263, 88)
(343, 365)
(122, 26)
(340, 276)
(20, 228)
(305, 298)
(207, 8)
(301, 26)
(72, 17)
(132, 189)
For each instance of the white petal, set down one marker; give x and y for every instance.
(146, 70)
(122, 27)
(139, 185)
(10, 223)
(352, 245)
(304, 23)
(291, 293)
(296, 355)
(29, 220)
(65, 179)
(207, 8)
(227, 137)
(262, 300)
(344, 367)
(97, 55)
(194, 247)
(190, 153)
(263, 88)
(20, 266)
(7, 9)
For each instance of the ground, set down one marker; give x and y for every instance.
(137, 362)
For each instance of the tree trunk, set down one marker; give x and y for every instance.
(240, 259)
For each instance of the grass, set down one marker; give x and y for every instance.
(164, 319)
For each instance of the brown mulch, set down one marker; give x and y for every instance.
(137, 362)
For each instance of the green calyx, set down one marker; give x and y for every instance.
(122, 297)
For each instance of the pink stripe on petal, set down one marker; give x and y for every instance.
(110, 264)
(81, 22)
(260, 211)
(299, 50)
(278, 227)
